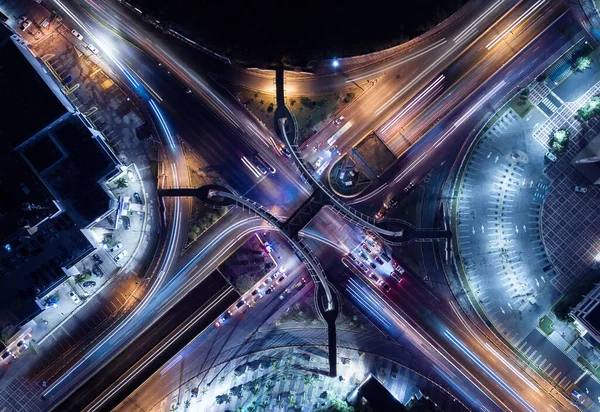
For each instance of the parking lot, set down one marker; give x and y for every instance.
(499, 214)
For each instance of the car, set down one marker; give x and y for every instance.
(194, 393)
(25, 25)
(241, 303)
(396, 276)
(286, 152)
(137, 198)
(367, 248)
(255, 292)
(363, 267)
(385, 286)
(261, 168)
(258, 297)
(580, 189)
(551, 156)
(74, 297)
(126, 222)
(282, 296)
(5, 355)
(364, 256)
(268, 280)
(93, 49)
(373, 265)
(130, 175)
(89, 284)
(121, 255)
(225, 316)
(281, 278)
(22, 19)
(576, 394)
(319, 162)
(352, 257)
(398, 268)
(269, 290)
(77, 35)
(300, 284)
(378, 260)
(374, 277)
(410, 186)
(339, 120)
(116, 247)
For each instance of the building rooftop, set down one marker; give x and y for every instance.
(72, 162)
(29, 104)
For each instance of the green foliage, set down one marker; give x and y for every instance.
(590, 110)
(570, 299)
(337, 405)
(122, 183)
(582, 63)
(223, 398)
(559, 141)
(82, 277)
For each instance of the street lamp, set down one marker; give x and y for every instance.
(335, 63)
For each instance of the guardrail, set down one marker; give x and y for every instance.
(353, 215)
(303, 252)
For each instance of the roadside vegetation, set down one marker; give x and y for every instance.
(202, 218)
(247, 265)
(590, 110)
(559, 141)
(521, 103)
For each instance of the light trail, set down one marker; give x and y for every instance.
(471, 28)
(163, 123)
(252, 168)
(164, 345)
(487, 370)
(343, 248)
(425, 50)
(414, 101)
(527, 13)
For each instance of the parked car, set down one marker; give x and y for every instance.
(378, 260)
(374, 278)
(77, 35)
(130, 175)
(270, 289)
(137, 198)
(268, 280)
(93, 49)
(74, 297)
(25, 25)
(121, 255)
(255, 292)
(241, 303)
(385, 286)
(126, 222)
(116, 247)
(580, 189)
(281, 278)
(373, 265)
(89, 284)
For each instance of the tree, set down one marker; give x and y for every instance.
(559, 141)
(187, 404)
(309, 380)
(582, 63)
(291, 400)
(223, 398)
(122, 183)
(82, 277)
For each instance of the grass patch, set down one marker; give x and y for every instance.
(247, 265)
(261, 105)
(583, 361)
(376, 154)
(521, 104)
(202, 218)
(313, 112)
(545, 325)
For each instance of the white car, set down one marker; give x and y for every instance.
(580, 189)
(121, 255)
(92, 48)
(130, 176)
(339, 120)
(76, 34)
(74, 297)
(26, 23)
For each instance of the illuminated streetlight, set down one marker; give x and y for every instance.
(335, 63)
